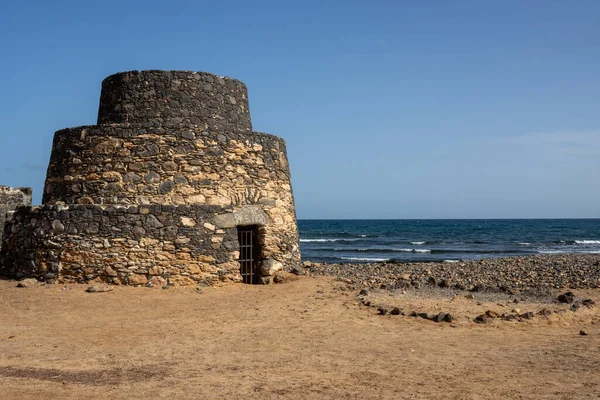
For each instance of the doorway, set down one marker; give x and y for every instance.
(249, 253)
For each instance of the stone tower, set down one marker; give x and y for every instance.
(162, 190)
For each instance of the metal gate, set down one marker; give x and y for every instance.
(248, 253)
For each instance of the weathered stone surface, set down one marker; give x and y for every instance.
(250, 215)
(99, 289)
(142, 96)
(224, 221)
(137, 279)
(26, 283)
(270, 267)
(10, 199)
(298, 270)
(279, 277)
(84, 254)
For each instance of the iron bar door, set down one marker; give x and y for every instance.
(248, 253)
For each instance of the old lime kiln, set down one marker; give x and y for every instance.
(171, 186)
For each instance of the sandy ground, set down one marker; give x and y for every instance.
(305, 339)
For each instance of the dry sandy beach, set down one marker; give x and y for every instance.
(310, 337)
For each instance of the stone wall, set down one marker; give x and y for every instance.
(164, 99)
(122, 245)
(132, 165)
(10, 199)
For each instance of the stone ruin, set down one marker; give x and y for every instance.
(172, 186)
(10, 199)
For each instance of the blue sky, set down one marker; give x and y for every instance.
(391, 109)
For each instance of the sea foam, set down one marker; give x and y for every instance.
(327, 240)
(364, 259)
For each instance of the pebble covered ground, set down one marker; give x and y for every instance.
(534, 274)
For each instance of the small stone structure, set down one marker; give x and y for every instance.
(10, 199)
(156, 191)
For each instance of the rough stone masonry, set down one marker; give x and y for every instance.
(157, 190)
(10, 199)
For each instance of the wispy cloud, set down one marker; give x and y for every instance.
(565, 143)
(34, 167)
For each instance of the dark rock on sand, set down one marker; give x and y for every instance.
(298, 270)
(396, 311)
(481, 319)
(510, 317)
(588, 303)
(423, 315)
(440, 317)
(544, 312)
(567, 297)
(527, 315)
(279, 277)
(382, 310)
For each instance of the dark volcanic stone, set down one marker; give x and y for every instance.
(481, 319)
(527, 315)
(382, 310)
(588, 303)
(298, 270)
(396, 311)
(545, 312)
(423, 315)
(440, 317)
(567, 297)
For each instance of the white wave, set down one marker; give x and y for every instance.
(550, 251)
(417, 242)
(451, 261)
(325, 240)
(364, 259)
(587, 241)
(362, 235)
(525, 244)
(397, 250)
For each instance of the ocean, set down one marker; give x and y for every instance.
(355, 241)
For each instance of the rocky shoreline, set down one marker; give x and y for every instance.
(533, 274)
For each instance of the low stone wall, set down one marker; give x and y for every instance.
(122, 245)
(11, 198)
